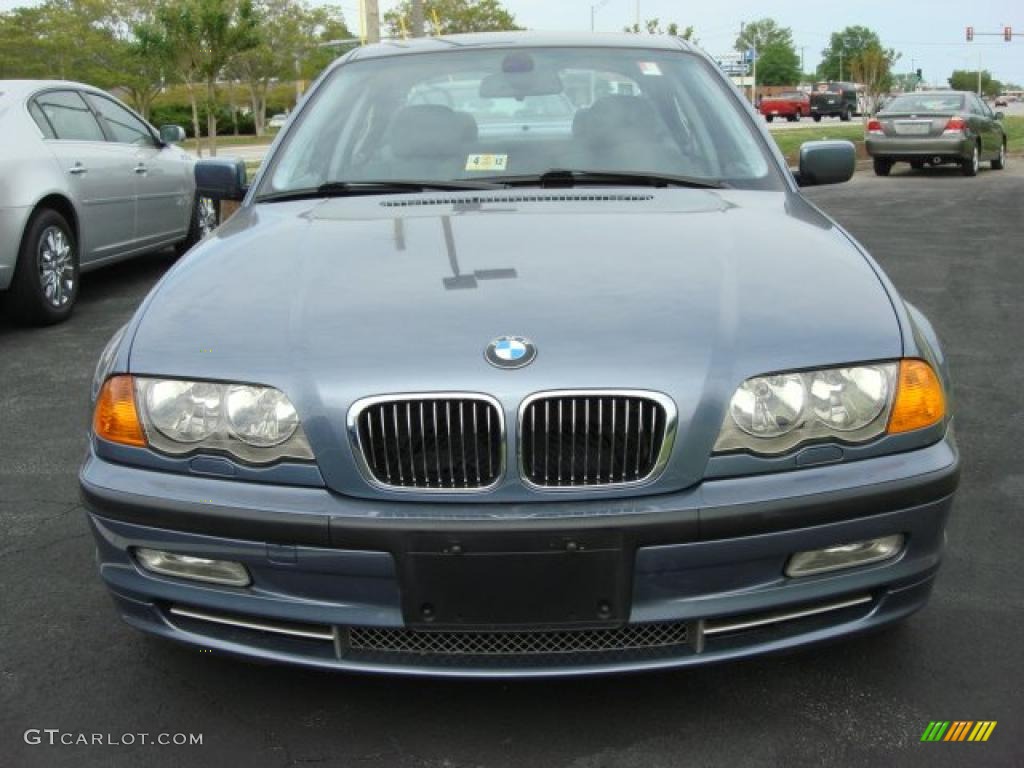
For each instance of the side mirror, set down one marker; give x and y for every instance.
(172, 134)
(221, 178)
(826, 162)
(1000, 115)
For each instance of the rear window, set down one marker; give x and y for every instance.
(926, 102)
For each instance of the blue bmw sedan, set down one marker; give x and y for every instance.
(523, 355)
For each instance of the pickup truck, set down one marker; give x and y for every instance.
(791, 105)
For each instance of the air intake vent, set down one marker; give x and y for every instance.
(594, 439)
(561, 197)
(442, 442)
(628, 638)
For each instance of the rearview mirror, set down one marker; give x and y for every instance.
(172, 134)
(826, 162)
(221, 178)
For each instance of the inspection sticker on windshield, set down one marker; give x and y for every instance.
(649, 68)
(487, 162)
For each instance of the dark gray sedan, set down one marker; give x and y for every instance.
(936, 128)
(439, 400)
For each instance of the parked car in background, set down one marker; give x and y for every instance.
(791, 105)
(434, 401)
(277, 121)
(1001, 101)
(834, 99)
(936, 128)
(84, 182)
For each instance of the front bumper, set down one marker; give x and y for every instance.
(948, 148)
(707, 579)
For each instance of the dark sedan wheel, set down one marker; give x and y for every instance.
(817, 118)
(882, 166)
(45, 284)
(845, 115)
(999, 163)
(769, 118)
(972, 164)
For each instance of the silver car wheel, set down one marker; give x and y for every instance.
(1002, 155)
(207, 216)
(56, 266)
(976, 159)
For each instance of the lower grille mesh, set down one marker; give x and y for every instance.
(628, 638)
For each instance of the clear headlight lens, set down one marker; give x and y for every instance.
(773, 414)
(849, 398)
(252, 423)
(260, 416)
(184, 411)
(770, 405)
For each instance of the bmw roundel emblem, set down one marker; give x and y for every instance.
(510, 352)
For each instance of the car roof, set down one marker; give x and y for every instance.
(26, 87)
(494, 40)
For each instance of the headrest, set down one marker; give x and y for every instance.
(617, 118)
(430, 129)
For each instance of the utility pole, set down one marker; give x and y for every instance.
(594, 9)
(752, 46)
(417, 18)
(638, 16)
(841, 63)
(372, 13)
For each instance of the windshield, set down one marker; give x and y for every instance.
(485, 114)
(925, 102)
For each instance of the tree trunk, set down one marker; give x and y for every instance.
(190, 86)
(211, 116)
(258, 100)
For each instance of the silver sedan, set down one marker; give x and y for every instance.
(84, 182)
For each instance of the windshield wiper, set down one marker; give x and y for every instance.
(564, 177)
(383, 187)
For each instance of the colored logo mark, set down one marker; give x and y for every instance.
(958, 730)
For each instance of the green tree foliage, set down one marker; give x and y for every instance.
(967, 80)
(653, 27)
(845, 46)
(777, 62)
(202, 37)
(448, 17)
(288, 48)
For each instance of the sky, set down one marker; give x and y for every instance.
(930, 35)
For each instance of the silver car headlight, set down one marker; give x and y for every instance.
(252, 423)
(775, 413)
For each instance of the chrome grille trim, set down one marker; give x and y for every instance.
(630, 637)
(753, 621)
(291, 629)
(393, 444)
(652, 446)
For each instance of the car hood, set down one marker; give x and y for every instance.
(686, 292)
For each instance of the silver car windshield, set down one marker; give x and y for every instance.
(486, 114)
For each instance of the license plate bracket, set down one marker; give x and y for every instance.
(554, 583)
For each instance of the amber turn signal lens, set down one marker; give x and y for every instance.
(920, 401)
(115, 418)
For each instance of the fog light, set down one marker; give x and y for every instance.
(844, 556)
(196, 568)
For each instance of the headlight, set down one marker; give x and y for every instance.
(773, 414)
(252, 423)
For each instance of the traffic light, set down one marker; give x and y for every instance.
(970, 34)
(918, 73)
(1007, 34)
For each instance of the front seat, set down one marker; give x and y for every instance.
(622, 132)
(430, 141)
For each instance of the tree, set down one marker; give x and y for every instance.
(967, 80)
(448, 17)
(653, 27)
(873, 68)
(202, 37)
(286, 49)
(845, 46)
(777, 59)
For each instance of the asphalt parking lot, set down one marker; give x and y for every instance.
(954, 246)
